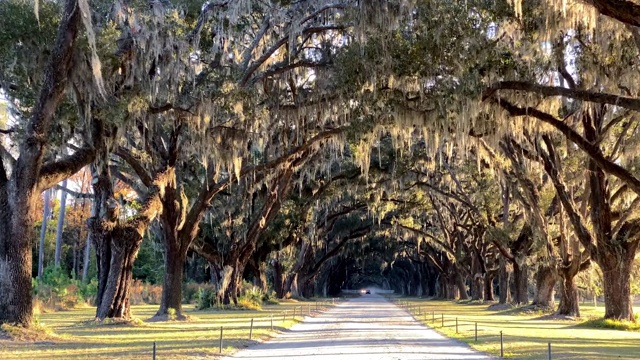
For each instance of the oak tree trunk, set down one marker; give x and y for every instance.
(545, 286)
(172, 284)
(113, 297)
(18, 194)
(462, 286)
(569, 304)
(488, 287)
(617, 288)
(521, 283)
(504, 290)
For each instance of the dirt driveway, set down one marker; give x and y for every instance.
(368, 327)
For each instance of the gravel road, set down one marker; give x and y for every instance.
(368, 327)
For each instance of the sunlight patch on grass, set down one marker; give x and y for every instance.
(81, 337)
(526, 334)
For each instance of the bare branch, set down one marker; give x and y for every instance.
(75, 194)
(248, 73)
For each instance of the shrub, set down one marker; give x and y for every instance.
(171, 314)
(613, 324)
(249, 303)
(58, 291)
(206, 298)
(190, 291)
(144, 293)
(270, 298)
(251, 297)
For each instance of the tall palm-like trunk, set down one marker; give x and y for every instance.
(43, 231)
(60, 227)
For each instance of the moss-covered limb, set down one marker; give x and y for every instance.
(624, 11)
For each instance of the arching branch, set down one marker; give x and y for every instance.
(590, 149)
(549, 91)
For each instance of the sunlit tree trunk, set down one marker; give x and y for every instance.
(60, 227)
(43, 231)
(545, 286)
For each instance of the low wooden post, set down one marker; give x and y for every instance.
(154, 350)
(442, 325)
(220, 340)
(456, 325)
(549, 350)
(476, 332)
(251, 330)
(501, 346)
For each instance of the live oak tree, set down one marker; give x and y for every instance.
(35, 169)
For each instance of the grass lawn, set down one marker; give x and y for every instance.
(526, 336)
(80, 338)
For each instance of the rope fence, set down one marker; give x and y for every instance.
(430, 317)
(267, 322)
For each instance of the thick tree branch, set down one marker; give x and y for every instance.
(591, 150)
(54, 172)
(442, 244)
(625, 11)
(549, 91)
(246, 57)
(575, 218)
(204, 197)
(126, 155)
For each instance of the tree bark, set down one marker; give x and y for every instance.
(617, 288)
(172, 284)
(488, 287)
(117, 242)
(504, 293)
(521, 282)
(114, 299)
(477, 282)
(176, 244)
(21, 191)
(278, 278)
(569, 305)
(461, 285)
(545, 286)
